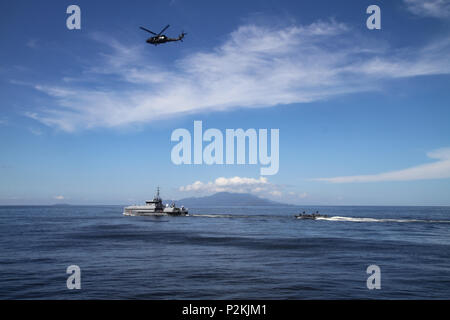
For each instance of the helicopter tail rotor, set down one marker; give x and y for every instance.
(182, 36)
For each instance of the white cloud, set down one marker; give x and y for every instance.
(303, 195)
(256, 66)
(429, 8)
(58, 197)
(235, 184)
(260, 187)
(275, 193)
(439, 169)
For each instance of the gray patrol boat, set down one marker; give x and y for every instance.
(155, 207)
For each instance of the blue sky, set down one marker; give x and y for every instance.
(87, 115)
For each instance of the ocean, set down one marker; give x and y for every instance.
(225, 253)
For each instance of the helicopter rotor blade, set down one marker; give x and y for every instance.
(165, 28)
(148, 30)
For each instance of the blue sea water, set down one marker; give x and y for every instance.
(225, 253)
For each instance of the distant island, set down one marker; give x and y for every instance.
(228, 199)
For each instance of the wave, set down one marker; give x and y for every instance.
(217, 215)
(244, 216)
(354, 219)
(332, 218)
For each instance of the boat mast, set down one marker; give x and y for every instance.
(157, 193)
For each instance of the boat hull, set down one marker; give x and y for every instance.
(310, 216)
(143, 212)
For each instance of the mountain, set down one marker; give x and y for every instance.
(227, 199)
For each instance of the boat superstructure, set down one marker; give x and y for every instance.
(155, 207)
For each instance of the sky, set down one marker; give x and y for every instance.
(363, 115)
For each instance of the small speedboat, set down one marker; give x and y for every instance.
(312, 216)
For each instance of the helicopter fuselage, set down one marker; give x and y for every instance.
(163, 39)
(157, 39)
(160, 38)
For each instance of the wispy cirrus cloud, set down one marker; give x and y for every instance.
(429, 8)
(257, 66)
(32, 43)
(439, 169)
(35, 131)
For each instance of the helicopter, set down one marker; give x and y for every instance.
(160, 38)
